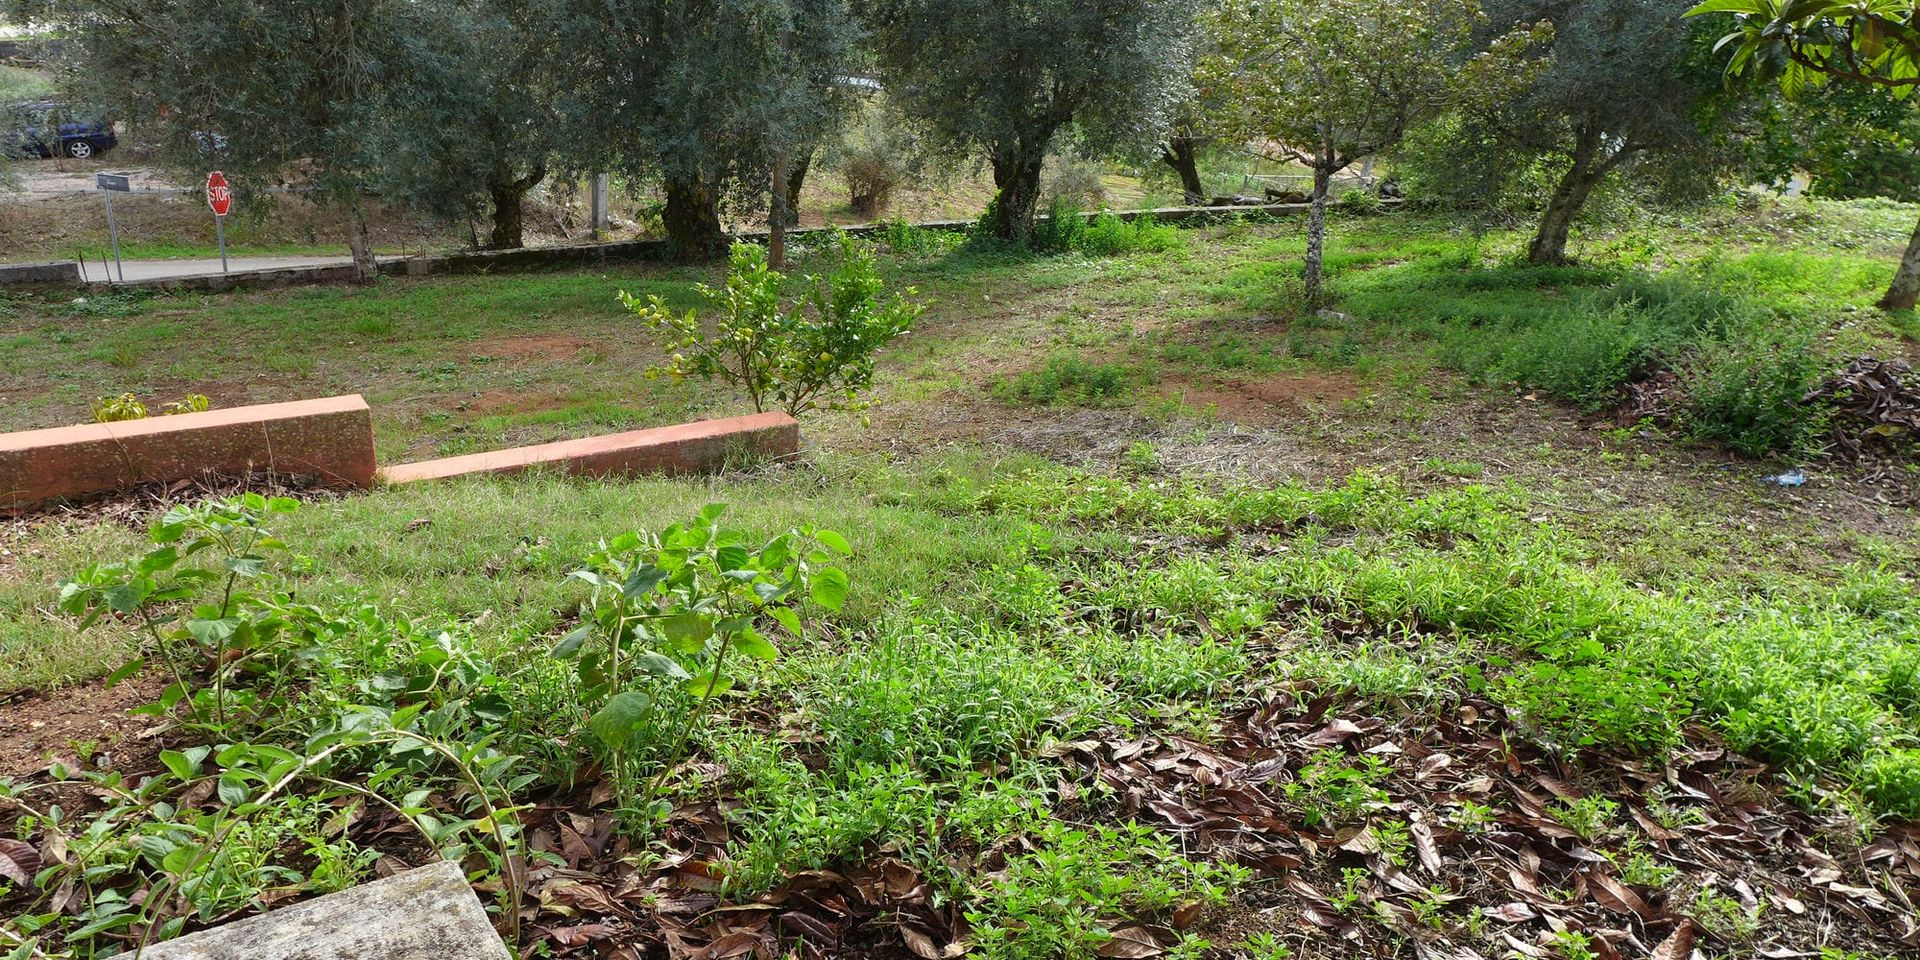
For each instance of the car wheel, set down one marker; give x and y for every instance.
(79, 149)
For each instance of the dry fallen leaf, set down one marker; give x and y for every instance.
(1131, 943)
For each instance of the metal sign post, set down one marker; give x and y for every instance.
(220, 201)
(109, 185)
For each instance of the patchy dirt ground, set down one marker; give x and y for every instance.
(80, 727)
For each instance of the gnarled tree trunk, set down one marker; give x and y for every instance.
(1316, 236)
(797, 178)
(1569, 197)
(509, 193)
(366, 268)
(1906, 280)
(1017, 175)
(1182, 154)
(692, 219)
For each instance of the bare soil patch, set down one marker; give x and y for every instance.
(1262, 400)
(81, 726)
(531, 347)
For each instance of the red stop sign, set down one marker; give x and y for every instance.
(219, 194)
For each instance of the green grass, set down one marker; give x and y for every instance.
(1604, 591)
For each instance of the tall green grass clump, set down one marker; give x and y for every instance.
(1742, 365)
(1065, 229)
(1069, 380)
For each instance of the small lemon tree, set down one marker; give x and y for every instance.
(815, 353)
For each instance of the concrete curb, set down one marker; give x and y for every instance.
(330, 438)
(704, 446)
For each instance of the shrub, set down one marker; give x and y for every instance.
(1065, 229)
(820, 354)
(1749, 392)
(1891, 782)
(875, 154)
(1077, 182)
(1360, 201)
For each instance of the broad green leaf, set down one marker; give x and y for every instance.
(655, 663)
(569, 645)
(179, 764)
(126, 670)
(829, 587)
(786, 618)
(752, 644)
(614, 724)
(834, 541)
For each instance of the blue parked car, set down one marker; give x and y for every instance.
(52, 129)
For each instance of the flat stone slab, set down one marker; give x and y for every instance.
(704, 446)
(429, 913)
(330, 439)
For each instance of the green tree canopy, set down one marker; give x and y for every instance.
(1005, 77)
(1329, 82)
(702, 94)
(431, 102)
(1806, 43)
(1585, 89)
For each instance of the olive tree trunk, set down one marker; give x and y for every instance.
(797, 178)
(1906, 280)
(1182, 154)
(366, 268)
(692, 219)
(509, 195)
(1316, 236)
(1569, 198)
(1017, 176)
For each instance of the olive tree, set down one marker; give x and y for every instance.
(258, 86)
(1329, 82)
(1004, 79)
(702, 94)
(1620, 86)
(1808, 43)
(472, 129)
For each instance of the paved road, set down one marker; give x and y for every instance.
(136, 270)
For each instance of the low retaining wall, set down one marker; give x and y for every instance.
(701, 447)
(578, 254)
(56, 271)
(330, 439)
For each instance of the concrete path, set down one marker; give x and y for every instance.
(138, 270)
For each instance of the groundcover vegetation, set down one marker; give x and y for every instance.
(998, 708)
(983, 703)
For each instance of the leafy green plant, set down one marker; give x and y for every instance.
(1724, 916)
(1065, 229)
(1063, 900)
(226, 822)
(1640, 869)
(221, 544)
(123, 407)
(1329, 790)
(1265, 946)
(667, 611)
(1591, 817)
(1361, 202)
(129, 407)
(819, 353)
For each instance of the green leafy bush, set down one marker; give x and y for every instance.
(667, 611)
(819, 353)
(1749, 392)
(129, 407)
(1360, 201)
